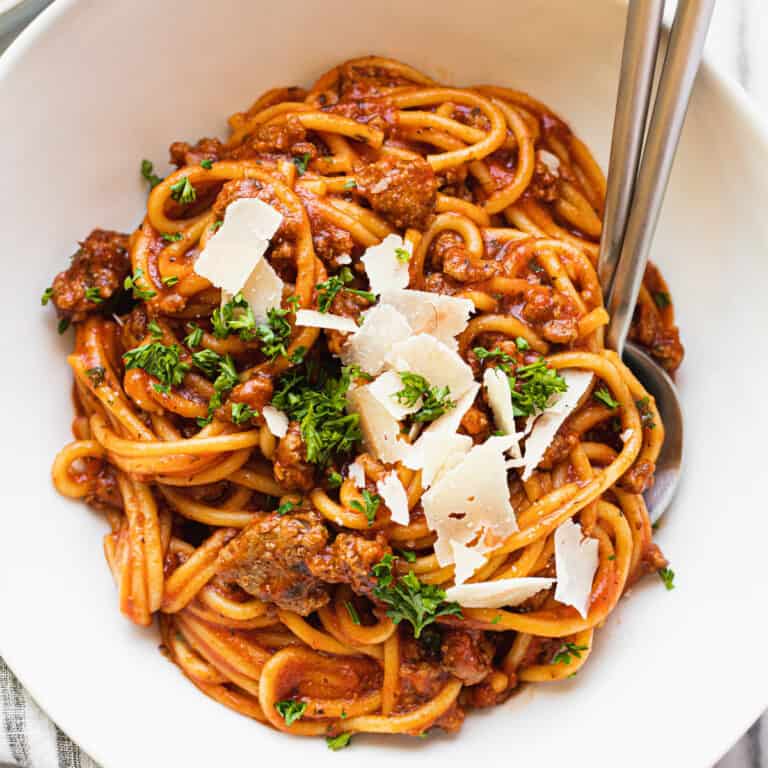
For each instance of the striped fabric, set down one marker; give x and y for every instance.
(28, 739)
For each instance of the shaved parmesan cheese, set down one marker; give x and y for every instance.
(437, 363)
(496, 594)
(344, 259)
(263, 290)
(500, 399)
(471, 502)
(626, 434)
(386, 272)
(230, 256)
(381, 431)
(576, 561)
(440, 316)
(552, 162)
(277, 421)
(466, 562)
(357, 473)
(382, 327)
(311, 318)
(546, 425)
(391, 490)
(385, 389)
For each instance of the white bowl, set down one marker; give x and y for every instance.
(91, 88)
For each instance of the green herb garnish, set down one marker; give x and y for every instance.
(148, 172)
(352, 611)
(242, 413)
(183, 192)
(160, 361)
(155, 329)
(667, 575)
(338, 742)
(291, 710)
(604, 396)
(131, 283)
(662, 299)
(402, 255)
(533, 386)
(301, 162)
(328, 290)
(568, 652)
(207, 164)
(195, 337)
(172, 237)
(47, 295)
(286, 507)
(371, 501)
(92, 293)
(435, 401)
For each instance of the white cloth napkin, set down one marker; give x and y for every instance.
(28, 739)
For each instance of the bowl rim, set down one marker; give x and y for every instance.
(725, 86)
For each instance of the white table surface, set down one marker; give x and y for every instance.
(738, 45)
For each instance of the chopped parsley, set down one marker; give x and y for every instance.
(155, 329)
(408, 599)
(371, 501)
(334, 480)
(667, 575)
(502, 358)
(63, 325)
(242, 413)
(236, 316)
(172, 237)
(291, 710)
(195, 337)
(338, 742)
(207, 361)
(160, 361)
(522, 344)
(402, 255)
(662, 299)
(96, 375)
(131, 283)
(350, 184)
(148, 172)
(47, 295)
(328, 290)
(275, 334)
(301, 162)
(183, 192)
(604, 396)
(352, 611)
(646, 416)
(407, 555)
(568, 652)
(533, 386)
(435, 401)
(285, 508)
(207, 164)
(317, 400)
(92, 293)
(170, 280)
(496, 619)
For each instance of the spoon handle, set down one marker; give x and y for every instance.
(686, 42)
(638, 63)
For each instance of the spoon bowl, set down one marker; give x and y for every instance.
(669, 463)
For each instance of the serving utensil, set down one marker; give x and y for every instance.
(637, 181)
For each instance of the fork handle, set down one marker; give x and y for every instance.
(686, 43)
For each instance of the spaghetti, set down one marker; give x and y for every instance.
(284, 589)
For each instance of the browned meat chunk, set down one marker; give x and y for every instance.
(560, 447)
(349, 560)
(639, 477)
(268, 559)
(449, 253)
(96, 273)
(552, 314)
(291, 468)
(345, 304)
(543, 185)
(255, 393)
(467, 654)
(403, 191)
(183, 153)
(476, 424)
(282, 138)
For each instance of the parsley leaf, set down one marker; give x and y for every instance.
(328, 290)
(291, 710)
(667, 575)
(242, 413)
(47, 295)
(148, 172)
(63, 325)
(92, 293)
(195, 337)
(410, 600)
(169, 281)
(207, 361)
(662, 299)
(207, 164)
(372, 501)
(216, 226)
(350, 184)
(402, 255)
(435, 401)
(407, 555)
(604, 396)
(503, 359)
(131, 284)
(319, 403)
(275, 334)
(301, 162)
(568, 652)
(160, 361)
(155, 329)
(334, 480)
(646, 416)
(338, 742)
(522, 344)
(183, 192)
(285, 508)
(352, 611)
(96, 375)
(172, 237)
(533, 386)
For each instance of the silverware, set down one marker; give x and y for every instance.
(636, 192)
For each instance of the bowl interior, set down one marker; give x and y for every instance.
(96, 87)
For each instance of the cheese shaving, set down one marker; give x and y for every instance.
(576, 560)
(311, 318)
(382, 327)
(381, 431)
(497, 594)
(385, 389)
(466, 562)
(357, 473)
(277, 421)
(391, 490)
(386, 272)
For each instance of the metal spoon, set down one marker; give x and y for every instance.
(633, 201)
